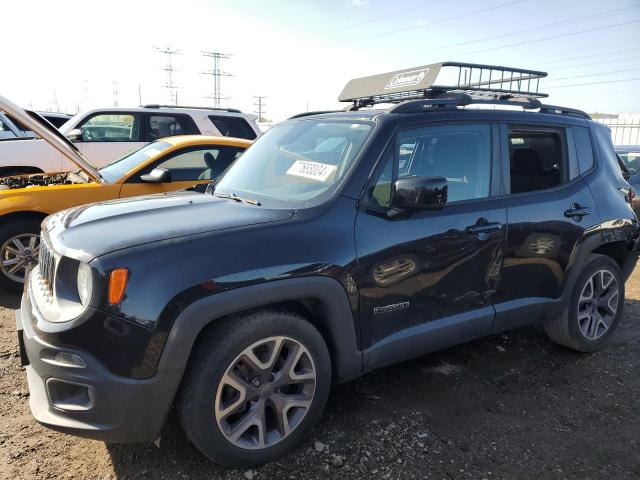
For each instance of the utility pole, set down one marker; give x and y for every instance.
(216, 73)
(260, 102)
(115, 93)
(169, 52)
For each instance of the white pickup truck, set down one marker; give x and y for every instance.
(104, 135)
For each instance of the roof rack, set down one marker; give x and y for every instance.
(477, 81)
(156, 105)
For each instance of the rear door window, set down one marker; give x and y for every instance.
(161, 126)
(233, 126)
(537, 159)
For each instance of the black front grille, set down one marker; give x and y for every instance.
(47, 265)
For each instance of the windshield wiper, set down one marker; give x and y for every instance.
(233, 196)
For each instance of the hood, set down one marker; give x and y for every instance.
(90, 231)
(49, 134)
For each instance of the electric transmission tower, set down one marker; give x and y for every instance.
(216, 73)
(260, 102)
(169, 52)
(115, 93)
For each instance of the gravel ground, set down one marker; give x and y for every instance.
(509, 406)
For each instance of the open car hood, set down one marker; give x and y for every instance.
(51, 135)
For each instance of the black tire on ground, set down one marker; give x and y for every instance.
(8, 230)
(216, 350)
(564, 328)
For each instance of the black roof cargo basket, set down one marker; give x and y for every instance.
(478, 81)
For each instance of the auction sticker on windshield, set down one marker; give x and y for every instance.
(313, 170)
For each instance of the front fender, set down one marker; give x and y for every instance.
(337, 319)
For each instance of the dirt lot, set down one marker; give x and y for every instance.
(512, 406)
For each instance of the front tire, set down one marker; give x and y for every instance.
(254, 388)
(19, 249)
(594, 309)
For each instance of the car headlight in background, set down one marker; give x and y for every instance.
(85, 283)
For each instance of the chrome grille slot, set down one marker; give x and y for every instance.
(47, 266)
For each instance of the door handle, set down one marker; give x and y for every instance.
(577, 211)
(483, 227)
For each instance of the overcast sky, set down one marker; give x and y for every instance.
(299, 54)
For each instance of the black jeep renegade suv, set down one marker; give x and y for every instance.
(338, 243)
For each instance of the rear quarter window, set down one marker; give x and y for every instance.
(602, 137)
(233, 126)
(584, 148)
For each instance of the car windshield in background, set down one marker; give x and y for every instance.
(631, 159)
(116, 170)
(297, 163)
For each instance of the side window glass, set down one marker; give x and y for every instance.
(161, 126)
(111, 127)
(537, 161)
(200, 164)
(5, 131)
(584, 148)
(379, 193)
(459, 153)
(229, 126)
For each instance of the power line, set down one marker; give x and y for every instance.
(169, 52)
(562, 22)
(595, 83)
(553, 37)
(260, 104)
(610, 72)
(596, 63)
(582, 57)
(435, 22)
(384, 17)
(216, 73)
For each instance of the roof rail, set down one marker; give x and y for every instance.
(475, 80)
(317, 112)
(564, 111)
(461, 100)
(156, 105)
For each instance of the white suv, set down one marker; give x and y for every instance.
(106, 134)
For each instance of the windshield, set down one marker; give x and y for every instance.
(631, 159)
(116, 169)
(298, 163)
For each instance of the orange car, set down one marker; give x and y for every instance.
(165, 165)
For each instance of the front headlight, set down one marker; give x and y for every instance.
(85, 283)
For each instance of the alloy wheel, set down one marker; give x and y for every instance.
(18, 254)
(265, 393)
(598, 304)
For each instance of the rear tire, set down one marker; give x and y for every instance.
(17, 249)
(226, 401)
(594, 309)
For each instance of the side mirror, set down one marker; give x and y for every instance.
(157, 175)
(632, 171)
(75, 135)
(421, 193)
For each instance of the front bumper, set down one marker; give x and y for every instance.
(90, 401)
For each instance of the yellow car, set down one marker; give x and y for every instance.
(165, 165)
